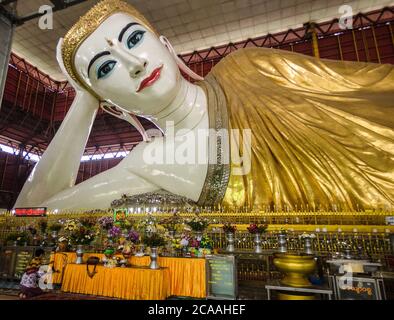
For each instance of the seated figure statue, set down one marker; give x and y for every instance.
(320, 132)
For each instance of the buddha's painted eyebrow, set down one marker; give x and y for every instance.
(97, 56)
(121, 34)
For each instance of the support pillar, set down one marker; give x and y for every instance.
(6, 32)
(312, 34)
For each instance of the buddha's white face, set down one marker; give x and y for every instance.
(134, 70)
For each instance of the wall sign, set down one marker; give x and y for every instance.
(30, 212)
(22, 260)
(221, 277)
(352, 288)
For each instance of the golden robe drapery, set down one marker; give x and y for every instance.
(322, 131)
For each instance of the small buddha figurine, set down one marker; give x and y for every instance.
(321, 131)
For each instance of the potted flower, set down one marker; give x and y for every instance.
(171, 223)
(88, 223)
(80, 234)
(257, 230)
(33, 232)
(206, 246)
(133, 236)
(18, 238)
(198, 225)
(148, 225)
(106, 223)
(154, 241)
(229, 230)
(114, 233)
(70, 225)
(43, 224)
(54, 229)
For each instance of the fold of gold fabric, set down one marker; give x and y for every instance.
(121, 283)
(186, 276)
(322, 131)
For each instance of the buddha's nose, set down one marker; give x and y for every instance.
(137, 69)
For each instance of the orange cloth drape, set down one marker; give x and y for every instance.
(186, 276)
(121, 283)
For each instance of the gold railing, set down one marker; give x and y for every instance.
(240, 216)
(365, 229)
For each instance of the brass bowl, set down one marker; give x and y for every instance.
(296, 269)
(298, 296)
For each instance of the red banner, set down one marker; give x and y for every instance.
(30, 212)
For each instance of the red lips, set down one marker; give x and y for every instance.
(147, 82)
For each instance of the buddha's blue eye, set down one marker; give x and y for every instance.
(135, 38)
(105, 69)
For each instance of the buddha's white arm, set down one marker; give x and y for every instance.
(58, 168)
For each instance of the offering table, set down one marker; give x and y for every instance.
(186, 276)
(139, 283)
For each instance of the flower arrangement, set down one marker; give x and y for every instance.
(133, 236)
(124, 224)
(176, 243)
(254, 228)
(82, 236)
(206, 243)
(32, 230)
(70, 225)
(87, 222)
(171, 223)
(154, 240)
(114, 232)
(106, 223)
(184, 241)
(80, 232)
(229, 228)
(181, 241)
(148, 225)
(55, 227)
(20, 237)
(43, 224)
(197, 223)
(194, 243)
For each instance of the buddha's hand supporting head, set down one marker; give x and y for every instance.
(115, 54)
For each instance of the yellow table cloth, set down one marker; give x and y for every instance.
(121, 283)
(187, 277)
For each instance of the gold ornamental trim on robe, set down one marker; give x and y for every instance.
(218, 173)
(322, 130)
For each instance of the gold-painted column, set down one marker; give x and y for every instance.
(391, 33)
(315, 43)
(376, 44)
(355, 45)
(340, 48)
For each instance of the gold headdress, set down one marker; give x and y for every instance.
(88, 23)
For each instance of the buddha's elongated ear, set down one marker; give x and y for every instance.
(179, 61)
(130, 118)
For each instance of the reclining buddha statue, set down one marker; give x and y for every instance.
(310, 132)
